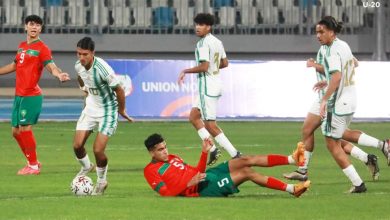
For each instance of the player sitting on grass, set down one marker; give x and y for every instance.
(169, 175)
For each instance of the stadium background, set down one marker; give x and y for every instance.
(154, 30)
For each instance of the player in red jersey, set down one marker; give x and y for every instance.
(169, 175)
(31, 57)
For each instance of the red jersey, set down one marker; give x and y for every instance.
(30, 60)
(170, 178)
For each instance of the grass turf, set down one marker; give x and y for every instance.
(128, 196)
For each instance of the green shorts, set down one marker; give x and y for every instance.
(26, 110)
(218, 182)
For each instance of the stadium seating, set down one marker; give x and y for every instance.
(178, 14)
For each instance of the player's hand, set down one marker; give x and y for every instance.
(207, 144)
(126, 116)
(199, 177)
(320, 85)
(323, 109)
(180, 80)
(310, 62)
(63, 77)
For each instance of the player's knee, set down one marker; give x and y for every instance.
(307, 131)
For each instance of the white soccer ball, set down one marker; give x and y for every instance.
(82, 186)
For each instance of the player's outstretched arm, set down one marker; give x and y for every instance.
(206, 146)
(202, 67)
(120, 94)
(57, 72)
(312, 63)
(9, 68)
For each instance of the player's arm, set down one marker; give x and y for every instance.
(333, 85)
(318, 67)
(158, 185)
(202, 67)
(355, 62)
(82, 85)
(224, 63)
(206, 146)
(9, 68)
(57, 72)
(121, 97)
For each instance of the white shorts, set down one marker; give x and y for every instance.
(334, 126)
(315, 108)
(106, 124)
(207, 107)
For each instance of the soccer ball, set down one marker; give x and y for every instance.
(81, 186)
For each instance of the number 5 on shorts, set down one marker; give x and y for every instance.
(222, 182)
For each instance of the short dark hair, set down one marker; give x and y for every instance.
(33, 18)
(204, 18)
(86, 44)
(331, 24)
(152, 140)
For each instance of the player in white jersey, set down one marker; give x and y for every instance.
(313, 121)
(210, 57)
(338, 104)
(105, 99)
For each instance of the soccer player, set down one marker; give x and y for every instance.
(211, 57)
(105, 99)
(169, 175)
(313, 121)
(31, 57)
(338, 102)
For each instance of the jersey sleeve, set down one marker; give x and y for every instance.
(223, 52)
(204, 53)
(157, 184)
(109, 76)
(333, 63)
(45, 56)
(202, 162)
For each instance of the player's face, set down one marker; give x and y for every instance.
(85, 57)
(202, 29)
(324, 35)
(160, 152)
(33, 29)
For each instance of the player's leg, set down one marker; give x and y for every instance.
(369, 159)
(99, 147)
(80, 138)
(333, 129)
(84, 128)
(362, 138)
(244, 174)
(310, 125)
(221, 139)
(196, 121)
(24, 117)
(107, 127)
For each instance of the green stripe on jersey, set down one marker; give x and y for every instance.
(163, 168)
(47, 62)
(161, 184)
(33, 53)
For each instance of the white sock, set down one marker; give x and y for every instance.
(352, 175)
(203, 134)
(35, 167)
(85, 162)
(101, 173)
(368, 141)
(290, 188)
(225, 143)
(359, 154)
(290, 159)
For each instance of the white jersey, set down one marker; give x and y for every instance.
(99, 82)
(210, 49)
(339, 58)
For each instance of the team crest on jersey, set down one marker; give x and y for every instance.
(23, 113)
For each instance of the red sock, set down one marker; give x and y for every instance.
(30, 146)
(274, 160)
(274, 183)
(19, 139)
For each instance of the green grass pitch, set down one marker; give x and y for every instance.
(128, 196)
